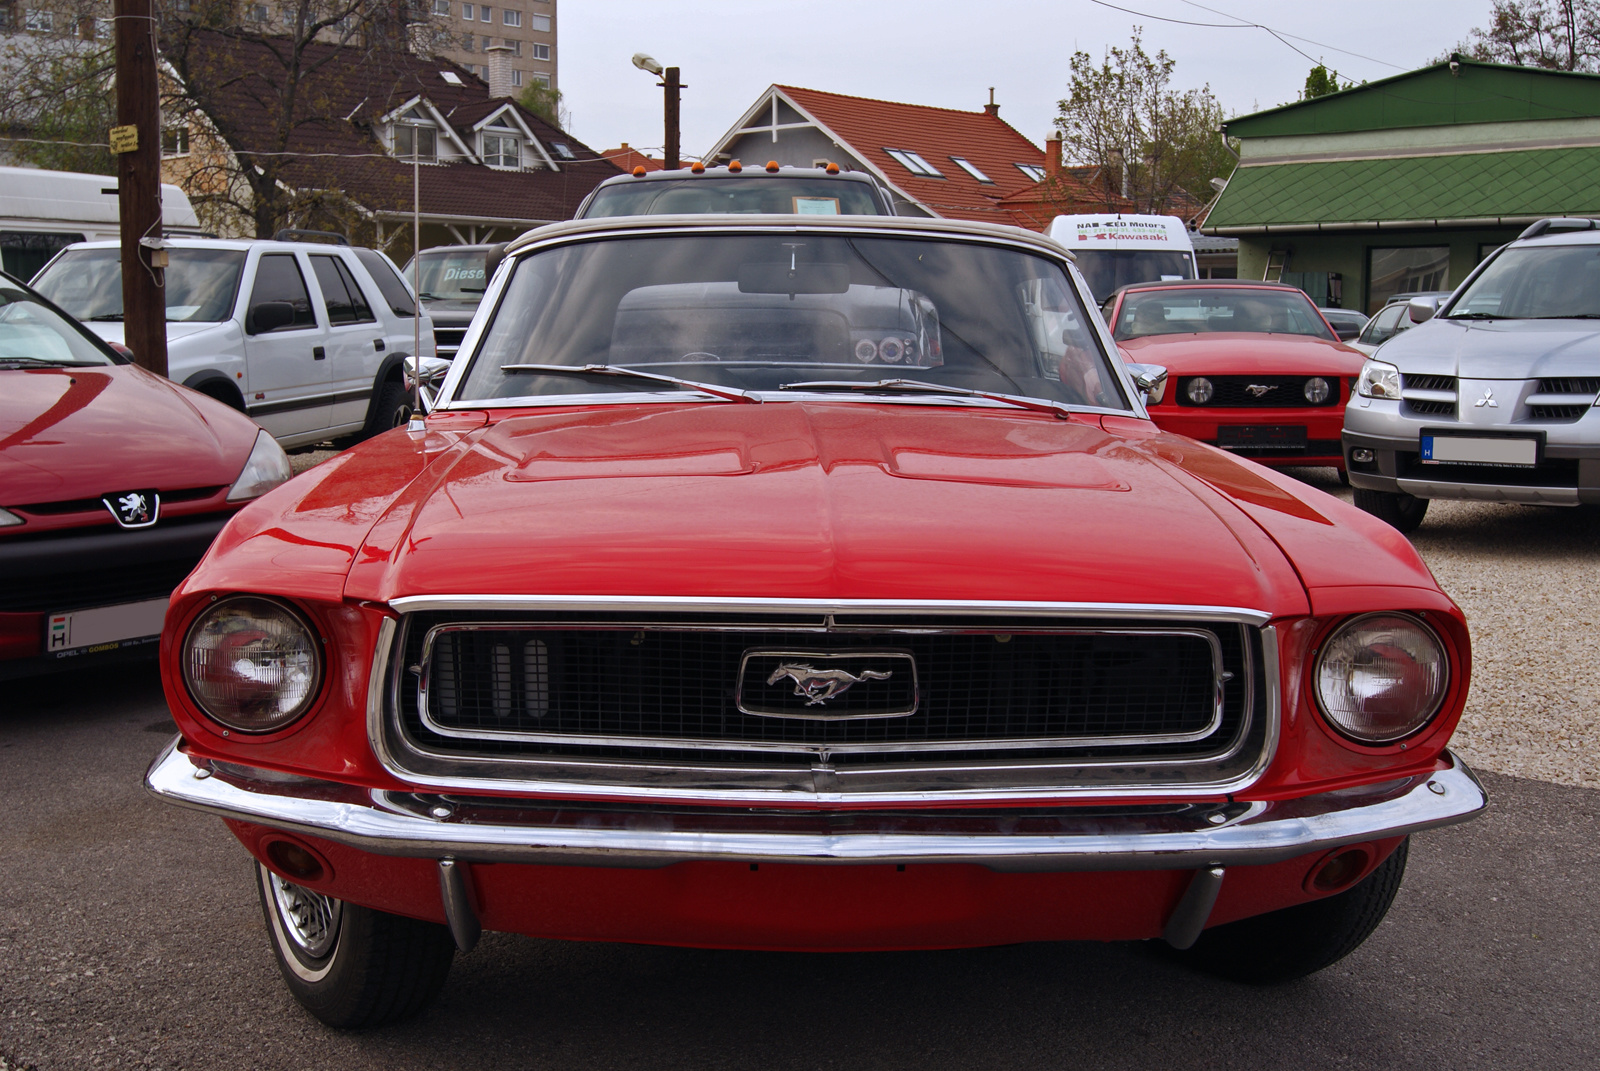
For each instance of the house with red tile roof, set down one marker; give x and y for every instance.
(935, 161)
(627, 157)
(489, 168)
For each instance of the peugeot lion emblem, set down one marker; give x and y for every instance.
(1256, 390)
(820, 685)
(133, 509)
(1487, 399)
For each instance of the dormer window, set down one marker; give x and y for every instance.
(413, 133)
(502, 150)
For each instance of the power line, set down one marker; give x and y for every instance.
(1281, 36)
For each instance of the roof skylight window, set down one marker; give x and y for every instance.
(914, 163)
(972, 169)
(563, 150)
(1033, 171)
(451, 76)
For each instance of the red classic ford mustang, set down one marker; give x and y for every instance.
(1253, 367)
(790, 583)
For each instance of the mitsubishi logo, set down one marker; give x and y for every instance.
(133, 509)
(1487, 399)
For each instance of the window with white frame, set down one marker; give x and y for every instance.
(539, 23)
(516, 78)
(914, 163)
(486, 14)
(258, 13)
(514, 46)
(412, 130)
(502, 150)
(1033, 171)
(441, 8)
(37, 21)
(467, 12)
(511, 18)
(972, 169)
(542, 79)
(541, 51)
(175, 141)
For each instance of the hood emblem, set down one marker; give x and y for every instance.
(1487, 399)
(1256, 390)
(133, 509)
(820, 685)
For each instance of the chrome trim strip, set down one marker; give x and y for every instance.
(1216, 834)
(742, 604)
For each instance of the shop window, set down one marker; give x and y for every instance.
(1404, 270)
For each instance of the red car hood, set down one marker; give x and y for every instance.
(70, 433)
(1230, 353)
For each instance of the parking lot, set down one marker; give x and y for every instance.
(130, 935)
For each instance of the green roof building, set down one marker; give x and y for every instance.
(1407, 183)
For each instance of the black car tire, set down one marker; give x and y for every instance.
(1401, 511)
(1284, 945)
(376, 968)
(391, 408)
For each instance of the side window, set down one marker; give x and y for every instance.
(1382, 326)
(340, 293)
(278, 278)
(387, 276)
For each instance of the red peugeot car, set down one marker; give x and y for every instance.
(791, 582)
(1252, 367)
(113, 482)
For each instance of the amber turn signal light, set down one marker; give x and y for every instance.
(295, 861)
(832, 168)
(638, 170)
(772, 167)
(697, 167)
(735, 166)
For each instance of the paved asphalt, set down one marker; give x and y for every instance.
(130, 937)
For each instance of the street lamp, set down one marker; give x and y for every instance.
(670, 86)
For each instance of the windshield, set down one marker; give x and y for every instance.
(781, 195)
(450, 274)
(1535, 283)
(199, 284)
(1106, 270)
(754, 312)
(33, 334)
(1186, 311)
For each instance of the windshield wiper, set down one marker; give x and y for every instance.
(616, 371)
(1571, 316)
(917, 386)
(106, 318)
(44, 362)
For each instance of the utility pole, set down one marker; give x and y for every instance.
(671, 86)
(136, 142)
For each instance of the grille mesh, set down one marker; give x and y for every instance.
(1232, 392)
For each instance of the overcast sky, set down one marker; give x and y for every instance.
(947, 54)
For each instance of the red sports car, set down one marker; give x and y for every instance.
(1252, 367)
(113, 482)
(779, 582)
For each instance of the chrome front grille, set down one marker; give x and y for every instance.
(481, 693)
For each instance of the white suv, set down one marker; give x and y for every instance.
(309, 339)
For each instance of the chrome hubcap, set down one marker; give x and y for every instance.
(310, 919)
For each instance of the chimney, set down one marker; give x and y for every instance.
(499, 59)
(1052, 158)
(991, 108)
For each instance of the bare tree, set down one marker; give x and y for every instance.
(1560, 35)
(57, 96)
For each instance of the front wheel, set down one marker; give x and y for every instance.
(1281, 946)
(1401, 511)
(352, 966)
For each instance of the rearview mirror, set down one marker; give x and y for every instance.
(789, 278)
(1421, 309)
(269, 316)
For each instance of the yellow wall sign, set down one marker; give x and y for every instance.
(124, 139)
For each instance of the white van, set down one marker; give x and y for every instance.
(43, 212)
(1118, 250)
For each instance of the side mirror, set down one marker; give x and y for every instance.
(1421, 309)
(1151, 379)
(268, 316)
(491, 261)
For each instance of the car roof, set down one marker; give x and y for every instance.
(481, 247)
(1210, 284)
(753, 172)
(709, 222)
(217, 243)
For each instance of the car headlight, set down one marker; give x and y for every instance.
(1316, 390)
(1381, 677)
(252, 664)
(265, 468)
(1200, 390)
(1378, 380)
(7, 518)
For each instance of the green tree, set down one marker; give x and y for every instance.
(57, 95)
(543, 101)
(1321, 82)
(1122, 116)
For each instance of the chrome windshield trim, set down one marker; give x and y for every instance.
(1214, 833)
(844, 607)
(947, 401)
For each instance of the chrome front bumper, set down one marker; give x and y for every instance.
(483, 829)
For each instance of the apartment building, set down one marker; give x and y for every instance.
(527, 27)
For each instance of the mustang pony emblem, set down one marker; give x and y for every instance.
(820, 685)
(1256, 390)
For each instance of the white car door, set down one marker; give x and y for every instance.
(356, 345)
(289, 374)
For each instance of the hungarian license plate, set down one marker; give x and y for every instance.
(104, 628)
(1470, 450)
(1262, 437)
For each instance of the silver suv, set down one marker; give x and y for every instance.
(1495, 396)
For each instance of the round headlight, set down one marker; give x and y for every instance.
(252, 664)
(1381, 677)
(1316, 390)
(1200, 390)
(866, 350)
(892, 349)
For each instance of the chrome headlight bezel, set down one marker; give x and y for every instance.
(1198, 386)
(308, 676)
(265, 468)
(1378, 379)
(1317, 390)
(1326, 672)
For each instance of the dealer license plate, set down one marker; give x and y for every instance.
(1270, 437)
(1467, 450)
(104, 627)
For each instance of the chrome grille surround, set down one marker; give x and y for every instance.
(723, 772)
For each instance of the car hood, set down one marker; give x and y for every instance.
(1496, 349)
(70, 433)
(113, 331)
(1238, 353)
